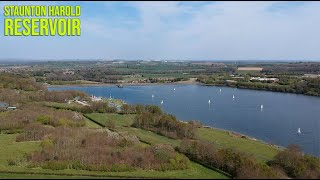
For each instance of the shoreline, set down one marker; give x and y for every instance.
(192, 81)
(172, 83)
(247, 137)
(231, 133)
(235, 134)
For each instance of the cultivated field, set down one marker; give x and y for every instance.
(249, 69)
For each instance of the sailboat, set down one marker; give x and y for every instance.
(220, 90)
(152, 96)
(261, 106)
(161, 102)
(209, 101)
(299, 131)
(232, 96)
(174, 89)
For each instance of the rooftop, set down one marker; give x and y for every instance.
(3, 105)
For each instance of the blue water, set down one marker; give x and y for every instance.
(277, 123)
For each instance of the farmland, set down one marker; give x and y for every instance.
(49, 134)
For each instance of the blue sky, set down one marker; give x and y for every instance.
(179, 30)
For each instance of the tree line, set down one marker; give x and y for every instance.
(288, 84)
(152, 118)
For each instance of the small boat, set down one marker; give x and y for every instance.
(299, 131)
(261, 106)
(152, 96)
(232, 96)
(220, 90)
(174, 89)
(161, 102)
(119, 85)
(209, 101)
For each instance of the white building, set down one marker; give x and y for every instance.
(264, 79)
(95, 99)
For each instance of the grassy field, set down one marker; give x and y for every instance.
(148, 136)
(219, 137)
(73, 106)
(195, 171)
(223, 139)
(249, 68)
(10, 149)
(123, 123)
(248, 72)
(118, 119)
(91, 124)
(115, 101)
(43, 176)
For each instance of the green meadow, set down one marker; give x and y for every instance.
(10, 148)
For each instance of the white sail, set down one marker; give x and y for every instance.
(161, 102)
(261, 106)
(233, 96)
(152, 96)
(220, 90)
(174, 89)
(209, 101)
(299, 131)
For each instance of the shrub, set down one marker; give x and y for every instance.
(47, 143)
(33, 132)
(296, 164)
(11, 162)
(110, 124)
(81, 148)
(44, 119)
(154, 120)
(238, 165)
(29, 113)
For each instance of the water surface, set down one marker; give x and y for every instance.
(276, 123)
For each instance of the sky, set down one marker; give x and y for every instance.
(178, 31)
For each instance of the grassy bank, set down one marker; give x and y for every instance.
(219, 137)
(222, 138)
(123, 123)
(10, 148)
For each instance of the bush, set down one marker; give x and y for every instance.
(296, 164)
(30, 113)
(11, 162)
(81, 148)
(152, 118)
(110, 124)
(55, 165)
(44, 119)
(238, 165)
(33, 132)
(47, 143)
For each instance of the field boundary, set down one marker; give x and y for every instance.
(91, 119)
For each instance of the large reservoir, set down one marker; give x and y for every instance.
(270, 116)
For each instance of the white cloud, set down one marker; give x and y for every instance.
(218, 30)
